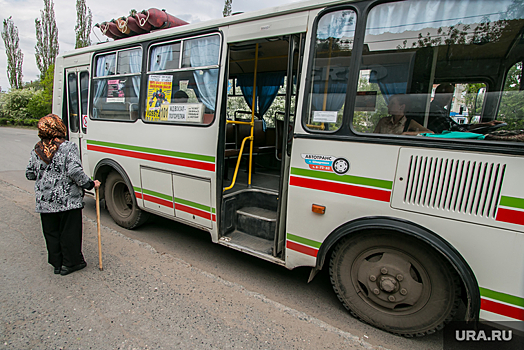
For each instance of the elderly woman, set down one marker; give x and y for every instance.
(59, 189)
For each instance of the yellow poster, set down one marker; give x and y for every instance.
(158, 93)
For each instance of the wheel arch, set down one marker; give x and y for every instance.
(468, 279)
(102, 170)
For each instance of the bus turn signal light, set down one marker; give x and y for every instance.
(319, 209)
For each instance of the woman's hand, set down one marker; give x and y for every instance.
(97, 184)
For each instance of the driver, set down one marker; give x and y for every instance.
(439, 119)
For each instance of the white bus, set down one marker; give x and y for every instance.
(411, 224)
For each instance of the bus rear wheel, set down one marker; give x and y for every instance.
(121, 203)
(395, 282)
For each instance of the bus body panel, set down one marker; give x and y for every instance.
(151, 150)
(365, 192)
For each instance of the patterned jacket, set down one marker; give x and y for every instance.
(59, 185)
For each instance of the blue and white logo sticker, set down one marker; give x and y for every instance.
(326, 163)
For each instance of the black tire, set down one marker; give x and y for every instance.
(395, 282)
(121, 203)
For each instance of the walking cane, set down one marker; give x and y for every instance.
(98, 227)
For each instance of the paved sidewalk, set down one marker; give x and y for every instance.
(142, 299)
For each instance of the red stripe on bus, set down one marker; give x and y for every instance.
(154, 157)
(138, 195)
(214, 217)
(350, 190)
(197, 212)
(158, 201)
(511, 216)
(502, 309)
(302, 249)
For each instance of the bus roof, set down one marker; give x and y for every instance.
(243, 17)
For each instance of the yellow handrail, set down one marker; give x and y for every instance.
(251, 137)
(238, 164)
(237, 122)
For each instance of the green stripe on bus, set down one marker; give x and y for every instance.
(510, 299)
(192, 204)
(137, 189)
(154, 151)
(157, 194)
(305, 241)
(512, 202)
(356, 180)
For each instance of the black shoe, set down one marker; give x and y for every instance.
(66, 270)
(57, 270)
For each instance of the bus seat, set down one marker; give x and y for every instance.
(208, 118)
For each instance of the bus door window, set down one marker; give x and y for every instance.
(84, 93)
(330, 73)
(72, 93)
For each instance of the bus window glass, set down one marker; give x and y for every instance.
(115, 96)
(84, 93)
(105, 65)
(511, 110)
(188, 95)
(201, 52)
(165, 57)
(434, 69)
(333, 47)
(72, 92)
(129, 61)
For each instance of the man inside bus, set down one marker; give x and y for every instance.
(439, 119)
(397, 122)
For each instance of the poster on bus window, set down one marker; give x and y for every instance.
(115, 90)
(158, 93)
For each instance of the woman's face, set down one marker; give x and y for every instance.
(395, 108)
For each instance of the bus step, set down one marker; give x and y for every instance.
(257, 222)
(244, 242)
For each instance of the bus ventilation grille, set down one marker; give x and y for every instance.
(460, 186)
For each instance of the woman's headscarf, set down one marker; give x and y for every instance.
(52, 133)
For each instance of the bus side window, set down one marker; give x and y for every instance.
(450, 46)
(183, 90)
(116, 85)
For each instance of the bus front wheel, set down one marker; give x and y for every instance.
(395, 282)
(121, 203)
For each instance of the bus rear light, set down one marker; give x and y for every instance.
(319, 209)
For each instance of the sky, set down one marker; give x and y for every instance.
(24, 13)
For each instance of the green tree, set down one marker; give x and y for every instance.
(84, 19)
(227, 8)
(511, 110)
(46, 48)
(15, 57)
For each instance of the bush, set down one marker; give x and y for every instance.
(15, 102)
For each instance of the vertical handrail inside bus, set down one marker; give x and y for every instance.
(251, 137)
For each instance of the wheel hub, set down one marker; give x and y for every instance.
(388, 284)
(388, 281)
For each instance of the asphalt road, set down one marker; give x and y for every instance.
(164, 285)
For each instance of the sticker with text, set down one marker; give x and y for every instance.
(326, 163)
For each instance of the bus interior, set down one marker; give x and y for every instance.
(252, 197)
